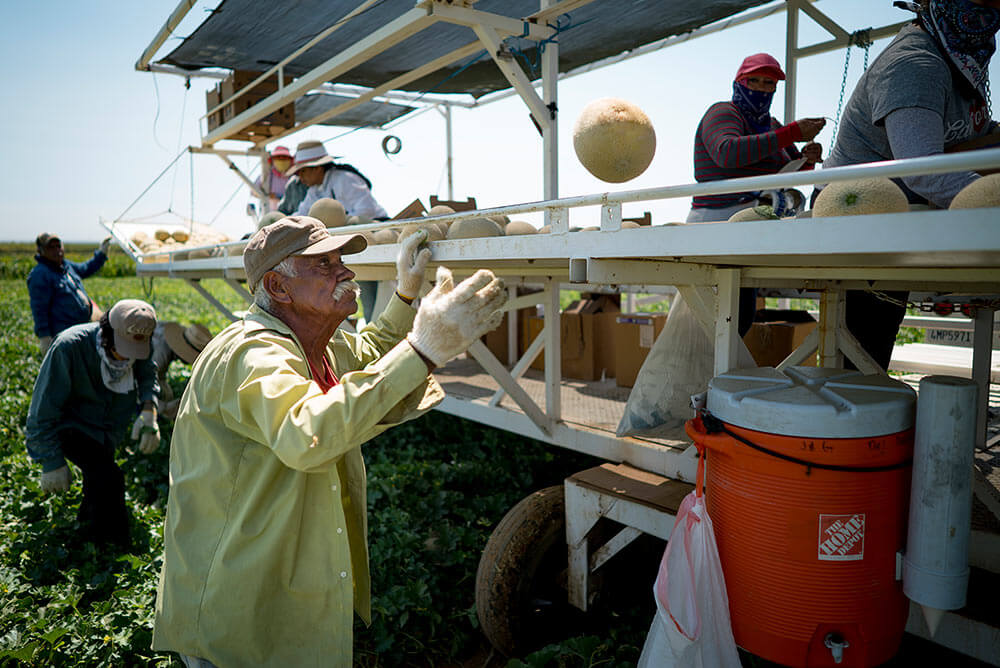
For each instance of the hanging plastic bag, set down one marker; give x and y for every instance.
(691, 627)
(680, 364)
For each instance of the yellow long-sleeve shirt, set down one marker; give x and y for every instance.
(265, 543)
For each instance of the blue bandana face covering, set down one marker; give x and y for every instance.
(966, 31)
(754, 106)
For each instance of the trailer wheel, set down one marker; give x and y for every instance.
(521, 580)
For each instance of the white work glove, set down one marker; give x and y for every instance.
(410, 265)
(105, 245)
(55, 481)
(44, 342)
(146, 431)
(452, 316)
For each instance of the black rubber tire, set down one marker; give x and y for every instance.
(520, 583)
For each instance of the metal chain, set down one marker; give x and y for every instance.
(843, 87)
(861, 38)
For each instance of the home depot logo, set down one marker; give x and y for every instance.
(841, 537)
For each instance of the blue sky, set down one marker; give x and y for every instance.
(86, 133)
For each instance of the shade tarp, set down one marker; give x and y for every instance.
(253, 35)
(366, 114)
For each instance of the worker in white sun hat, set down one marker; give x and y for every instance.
(92, 382)
(265, 544)
(315, 175)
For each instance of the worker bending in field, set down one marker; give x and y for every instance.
(265, 543)
(173, 341)
(315, 175)
(925, 93)
(93, 381)
(55, 288)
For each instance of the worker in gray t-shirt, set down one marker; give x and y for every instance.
(926, 92)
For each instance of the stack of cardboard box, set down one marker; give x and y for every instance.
(586, 334)
(270, 125)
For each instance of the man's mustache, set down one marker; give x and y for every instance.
(345, 287)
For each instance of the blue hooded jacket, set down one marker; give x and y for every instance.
(58, 299)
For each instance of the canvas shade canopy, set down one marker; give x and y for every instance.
(249, 35)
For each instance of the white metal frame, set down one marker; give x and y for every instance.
(938, 250)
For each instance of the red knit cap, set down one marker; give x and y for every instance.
(761, 63)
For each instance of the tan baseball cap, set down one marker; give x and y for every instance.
(133, 321)
(294, 235)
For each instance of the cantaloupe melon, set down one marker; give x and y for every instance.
(433, 231)
(386, 236)
(545, 229)
(472, 228)
(518, 227)
(161, 235)
(981, 193)
(268, 218)
(630, 225)
(180, 236)
(614, 139)
(859, 197)
(440, 210)
(762, 212)
(500, 220)
(329, 211)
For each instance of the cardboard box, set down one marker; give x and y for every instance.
(273, 124)
(775, 334)
(496, 340)
(586, 337)
(414, 209)
(635, 334)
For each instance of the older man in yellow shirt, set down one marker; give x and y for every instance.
(265, 543)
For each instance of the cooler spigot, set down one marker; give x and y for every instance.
(836, 643)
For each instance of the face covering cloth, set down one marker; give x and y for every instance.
(116, 374)
(754, 106)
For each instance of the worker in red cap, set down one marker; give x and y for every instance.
(739, 137)
(273, 181)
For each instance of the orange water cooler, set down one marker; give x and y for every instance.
(808, 488)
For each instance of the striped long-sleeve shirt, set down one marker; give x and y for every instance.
(725, 147)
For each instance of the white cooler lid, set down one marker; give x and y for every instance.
(812, 402)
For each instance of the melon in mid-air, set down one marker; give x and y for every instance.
(329, 211)
(471, 228)
(859, 197)
(614, 139)
(762, 212)
(981, 193)
(517, 227)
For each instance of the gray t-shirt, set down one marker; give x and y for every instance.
(911, 72)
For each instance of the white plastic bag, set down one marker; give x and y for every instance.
(680, 364)
(691, 627)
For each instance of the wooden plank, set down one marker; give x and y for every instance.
(636, 485)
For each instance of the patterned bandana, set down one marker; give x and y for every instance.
(116, 374)
(754, 106)
(968, 34)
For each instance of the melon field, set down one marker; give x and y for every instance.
(437, 487)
